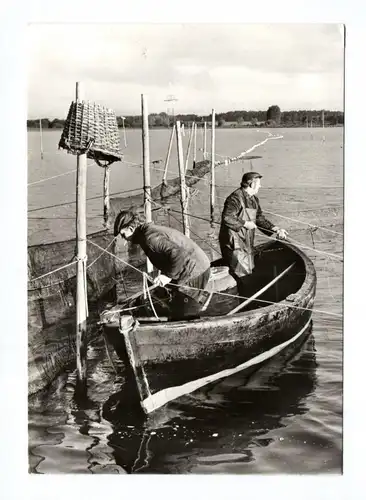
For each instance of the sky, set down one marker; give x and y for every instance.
(205, 66)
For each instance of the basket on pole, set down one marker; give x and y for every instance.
(92, 129)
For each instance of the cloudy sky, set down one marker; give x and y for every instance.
(221, 66)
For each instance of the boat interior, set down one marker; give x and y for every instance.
(271, 260)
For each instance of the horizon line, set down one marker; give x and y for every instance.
(201, 114)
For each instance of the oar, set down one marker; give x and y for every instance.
(253, 297)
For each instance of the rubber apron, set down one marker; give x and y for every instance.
(242, 258)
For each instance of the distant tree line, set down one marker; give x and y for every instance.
(273, 117)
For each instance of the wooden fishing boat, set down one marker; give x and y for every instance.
(168, 359)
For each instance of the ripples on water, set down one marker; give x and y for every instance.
(286, 418)
(281, 419)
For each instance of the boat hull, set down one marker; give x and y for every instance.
(172, 359)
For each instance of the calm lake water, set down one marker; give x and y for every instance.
(287, 418)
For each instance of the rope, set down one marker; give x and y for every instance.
(49, 178)
(54, 271)
(282, 187)
(170, 172)
(64, 218)
(302, 222)
(297, 220)
(121, 260)
(147, 291)
(56, 176)
(88, 199)
(168, 209)
(50, 285)
(271, 238)
(310, 248)
(218, 293)
(99, 256)
(264, 301)
(70, 277)
(197, 236)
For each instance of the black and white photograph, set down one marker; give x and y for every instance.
(185, 248)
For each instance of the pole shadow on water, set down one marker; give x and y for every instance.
(238, 411)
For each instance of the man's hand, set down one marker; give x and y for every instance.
(282, 234)
(250, 225)
(162, 280)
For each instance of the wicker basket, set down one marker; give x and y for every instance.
(91, 129)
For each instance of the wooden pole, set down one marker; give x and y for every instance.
(81, 288)
(183, 191)
(212, 193)
(194, 141)
(106, 197)
(204, 139)
(146, 166)
(189, 147)
(124, 131)
(168, 155)
(41, 138)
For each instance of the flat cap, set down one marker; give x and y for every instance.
(249, 176)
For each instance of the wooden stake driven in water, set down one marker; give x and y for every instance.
(106, 197)
(81, 289)
(168, 155)
(189, 147)
(124, 130)
(183, 188)
(41, 138)
(194, 140)
(146, 166)
(212, 186)
(204, 140)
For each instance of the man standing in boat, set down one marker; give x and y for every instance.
(242, 214)
(180, 260)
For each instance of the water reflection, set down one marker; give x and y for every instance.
(66, 428)
(225, 422)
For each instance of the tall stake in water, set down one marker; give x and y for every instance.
(323, 117)
(168, 155)
(124, 130)
(183, 189)
(189, 146)
(212, 192)
(146, 166)
(41, 138)
(194, 141)
(204, 140)
(81, 284)
(106, 197)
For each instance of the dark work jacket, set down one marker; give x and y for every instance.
(236, 242)
(170, 251)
